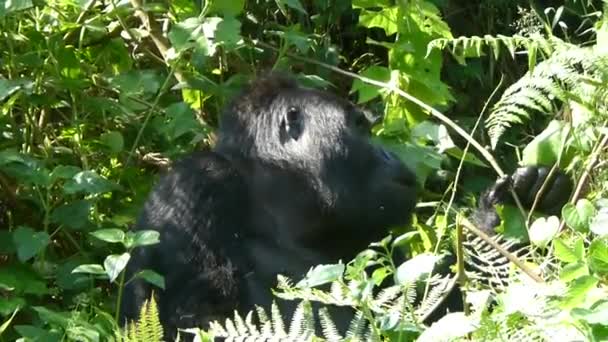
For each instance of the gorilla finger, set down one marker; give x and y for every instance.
(523, 180)
(498, 193)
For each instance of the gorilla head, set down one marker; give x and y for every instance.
(313, 156)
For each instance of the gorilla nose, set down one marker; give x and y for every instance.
(398, 172)
(386, 155)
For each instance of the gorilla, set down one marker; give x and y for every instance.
(292, 182)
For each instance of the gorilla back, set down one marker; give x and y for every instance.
(293, 182)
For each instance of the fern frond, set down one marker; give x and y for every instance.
(463, 47)
(572, 73)
(330, 331)
(147, 327)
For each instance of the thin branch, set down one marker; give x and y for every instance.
(515, 260)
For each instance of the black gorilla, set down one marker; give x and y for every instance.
(293, 182)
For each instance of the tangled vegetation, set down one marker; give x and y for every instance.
(98, 97)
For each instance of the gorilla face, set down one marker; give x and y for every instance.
(325, 166)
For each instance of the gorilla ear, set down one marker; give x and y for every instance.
(260, 93)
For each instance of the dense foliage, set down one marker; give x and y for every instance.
(98, 97)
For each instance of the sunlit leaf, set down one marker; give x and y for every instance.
(114, 264)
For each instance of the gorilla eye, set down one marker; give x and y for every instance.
(292, 125)
(293, 114)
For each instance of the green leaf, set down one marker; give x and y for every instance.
(413, 269)
(367, 92)
(90, 269)
(74, 215)
(370, 3)
(578, 217)
(10, 6)
(598, 256)
(295, 4)
(385, 19)
(513, 225)
(546, 147)
(114, 264)
(181, 121)
(145, 238)
(228, 32)
(226, 8)
(29, 242)
(597, 314)
(573, 271)
(88, 182)
(21, 279)
(543, 230)
(577, 292)
(112, 235)
(321, 274)
(64, 172)
(152, 278)
(566, 253)
(33, 333)
(113, 140)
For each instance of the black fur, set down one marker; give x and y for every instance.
(293, 182)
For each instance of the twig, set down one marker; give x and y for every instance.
(471, 227)
(155, 31)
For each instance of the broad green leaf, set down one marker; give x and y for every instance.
(545, 148)
(113, 140)
(112, 235)
(10, 6)
(74, 215)
(21, 279)
(181, 121)
(573, 271)
(34, 333)
(114, 264)
(228, 32)
(367, 92)
(413, 269)
(566, 253)
(152, 278)
(88, 182)
(321, 274)
(29, 242)
(577, 292)
(597, 314)
(598, 256)
(385, 19)
(64, 172)
(543, 230)
(578, 217)
(513, 224)
(90, 269)
(145, 238)
(226, 8)
(371, 3)
(8, 87)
